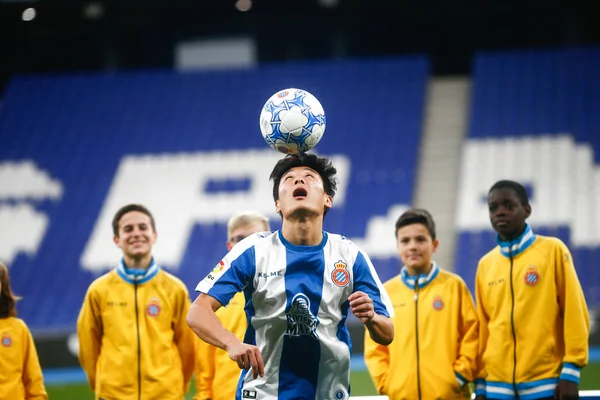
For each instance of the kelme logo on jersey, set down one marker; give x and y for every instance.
(300, 321)
(6, 340)
(438, 303)
(153, 307)
(532, 277)
(340, 275)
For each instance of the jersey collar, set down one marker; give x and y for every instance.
(133, 275)
(422, 280)
(518, 245)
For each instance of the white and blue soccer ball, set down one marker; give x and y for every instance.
(292, 121)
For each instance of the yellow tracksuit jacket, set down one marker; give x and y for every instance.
(534, 321)
(216, 374)
(434, 352)
(20, 372)
(134, 342)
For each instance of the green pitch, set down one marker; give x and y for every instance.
(360, 381)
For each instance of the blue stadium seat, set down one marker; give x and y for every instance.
(77, 128)
(542, 96)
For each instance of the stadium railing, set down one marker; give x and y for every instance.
(584, 394)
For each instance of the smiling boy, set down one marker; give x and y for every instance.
(134, 343)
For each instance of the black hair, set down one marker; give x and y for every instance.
(416, 216)
(519, 190)
(321, 165)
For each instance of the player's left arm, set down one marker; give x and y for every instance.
(465, 365)
(184, 338)
(576, 323)
(369, 301)
(33, 382)
(381, 328)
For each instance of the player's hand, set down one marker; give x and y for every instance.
(362, 306)
(566, 390)
(246, 356)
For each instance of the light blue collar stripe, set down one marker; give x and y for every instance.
(422, 279)
(518, 245)
(139, 276)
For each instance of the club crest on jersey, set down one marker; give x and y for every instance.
(340, 275)
(300, 321)
(438, 303)
(6, 340)
(532, 277)
(153, 307)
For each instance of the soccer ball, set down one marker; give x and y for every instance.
(292, 121)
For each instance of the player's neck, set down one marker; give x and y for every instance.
(142, 262)
(305, 232)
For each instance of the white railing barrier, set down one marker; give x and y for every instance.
(584, 394)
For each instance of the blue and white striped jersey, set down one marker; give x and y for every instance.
(296, 305)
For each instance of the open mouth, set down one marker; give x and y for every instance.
(501, 223)
(300, 192)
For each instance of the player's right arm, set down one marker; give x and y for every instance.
(480, 387)
(231, 275)
(89, 332)
(205, 323)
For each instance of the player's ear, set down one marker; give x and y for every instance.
(116, 240)
(328, 201)
(229, 245)
(436, 243)
(527, 211)
(277, 207)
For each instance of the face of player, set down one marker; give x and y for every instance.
(415, 248)
(239, 234)
(507, 214)
(301, 194)
(136, 235)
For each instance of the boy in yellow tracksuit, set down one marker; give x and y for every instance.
(216, 374)
(134, 343)
(20, 372)
(434, 351)
(534, 322)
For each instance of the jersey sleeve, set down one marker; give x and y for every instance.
(483, 320)
(367, 281)
(232, 274)
(377, 360)
(575, 313)
(33, 380)
(465, 365)
(89, 332)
